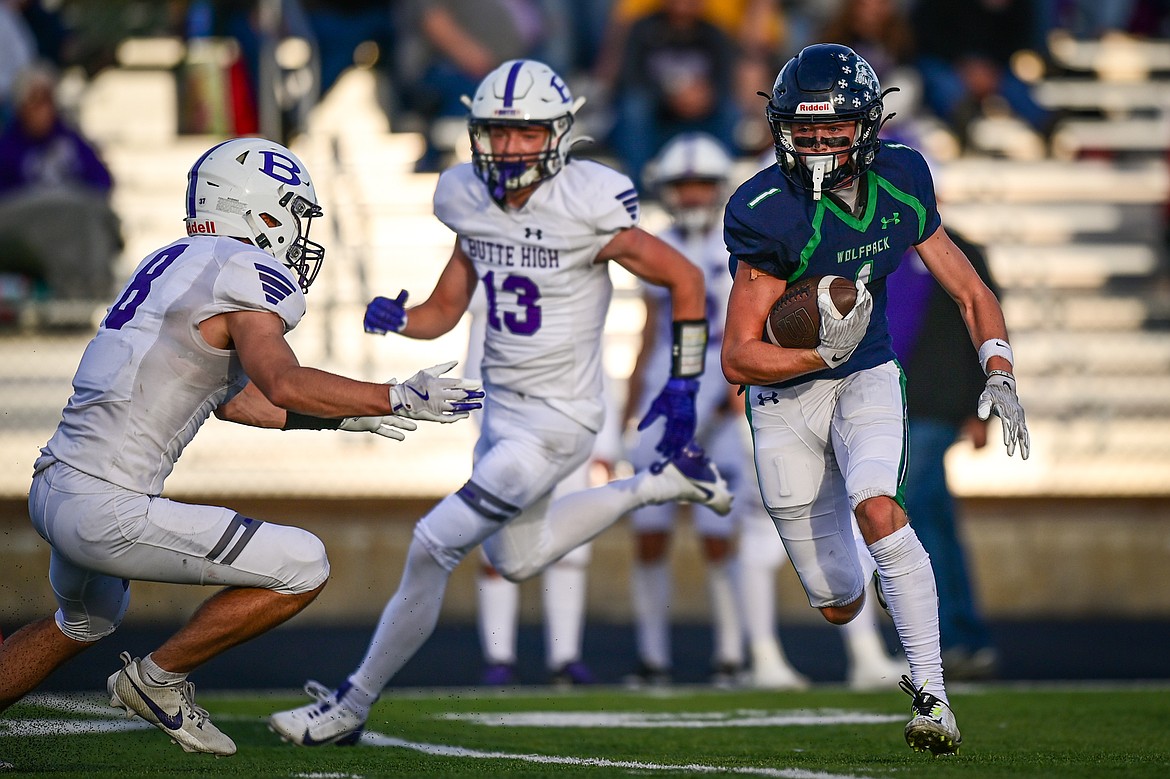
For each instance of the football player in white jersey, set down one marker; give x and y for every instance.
(536, 228)
(198, 330)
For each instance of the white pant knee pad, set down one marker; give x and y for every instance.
(106, 601)
(452, 529)
(304, 565)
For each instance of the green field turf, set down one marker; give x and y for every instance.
(826, 733)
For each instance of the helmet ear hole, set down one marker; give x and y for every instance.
(269, 219)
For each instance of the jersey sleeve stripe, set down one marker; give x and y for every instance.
(192, 178)
(276, 287)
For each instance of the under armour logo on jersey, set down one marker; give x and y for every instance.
(531, 231)
(276, 287)
(772, 397)
(893, 220)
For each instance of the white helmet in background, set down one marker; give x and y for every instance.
(520, 93)
(692, 156)
(256, 189)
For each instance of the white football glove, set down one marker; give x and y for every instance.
(840, 335)
(427, 396)
(999, 398)
(390, 426)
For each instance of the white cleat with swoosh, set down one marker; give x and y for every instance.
(170, 708)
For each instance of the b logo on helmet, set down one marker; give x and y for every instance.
(280, 168)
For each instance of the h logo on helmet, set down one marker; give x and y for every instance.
(280, 167)
(562, 90)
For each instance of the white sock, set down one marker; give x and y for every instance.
(156, 675)
(580, 516)
(863, 639)
(909, 588)
(757, 592)
(728, 636)
(498, 617)
(651, 586)
(407, 621)
(564, 612)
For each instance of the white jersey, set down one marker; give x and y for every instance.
(147, 381)
(546, 295)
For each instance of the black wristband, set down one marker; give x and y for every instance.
(688, 349)
(295, 421)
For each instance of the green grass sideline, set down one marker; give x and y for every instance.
(1009, 731)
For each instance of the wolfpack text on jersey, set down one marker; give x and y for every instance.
(809, 237)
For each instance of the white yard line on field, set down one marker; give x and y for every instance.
(440, 750)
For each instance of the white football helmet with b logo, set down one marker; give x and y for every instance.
(520, 93)
(256, 189)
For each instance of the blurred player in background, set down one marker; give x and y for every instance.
(536, 228)
(563, 584)
(198, 330)
(829, 422)
(692, 175)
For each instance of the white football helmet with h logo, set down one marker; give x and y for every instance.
(520, 93)
(256, 189)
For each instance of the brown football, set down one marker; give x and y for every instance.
(795, 321)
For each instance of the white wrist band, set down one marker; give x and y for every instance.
(995, 347)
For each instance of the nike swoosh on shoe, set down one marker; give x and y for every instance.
(169, 721)
(348, 740)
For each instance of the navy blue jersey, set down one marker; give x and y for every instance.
(780, 229)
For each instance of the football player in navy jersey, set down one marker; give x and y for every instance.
(537, 229)
(198, 330)
(829, 422)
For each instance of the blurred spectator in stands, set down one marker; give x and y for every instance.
(760, 30)
(340, 26)
(677, 74)
(881, 32)
(461, 42)
(878, 30)
(943, 384)
(964, 55)
(1151, 18)
(18, 50)
(50, 177)
(1093, 19)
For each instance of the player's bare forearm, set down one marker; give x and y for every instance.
(746, 359)
(752, 361)
(322, 394)
(250, 407)
(440, 312)
(657, 262)
(273, 368)
(978, 305)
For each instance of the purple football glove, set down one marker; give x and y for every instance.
(676, 402)
(384, 315)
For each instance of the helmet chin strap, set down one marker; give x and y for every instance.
(819, 166)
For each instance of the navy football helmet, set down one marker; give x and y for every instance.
(825, 82)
